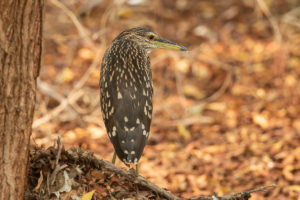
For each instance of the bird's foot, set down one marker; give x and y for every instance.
(113, 161)
(132, 171)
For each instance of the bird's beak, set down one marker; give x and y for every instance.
(166, 44)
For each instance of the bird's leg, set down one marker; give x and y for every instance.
(137, 169)
(114, 158)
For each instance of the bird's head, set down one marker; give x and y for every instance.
(148, 39)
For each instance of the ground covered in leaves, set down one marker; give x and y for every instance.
(56, 173)
(226, 113)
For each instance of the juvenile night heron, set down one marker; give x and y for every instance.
(126, 90)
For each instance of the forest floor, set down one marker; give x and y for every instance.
(226, 113)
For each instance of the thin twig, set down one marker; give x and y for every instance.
(185, 121)
(58, 150)
(237, 196)
(180, 90)
(73, 96)
(57, 166)
(226, 83)
(291, 17)
(264, 188)
(84, 34)
(264, 8)
(92, 68)
(46, 89)
(55, 171)
(48, 183)
(280, 57)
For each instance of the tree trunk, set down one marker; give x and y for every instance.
(20, 59)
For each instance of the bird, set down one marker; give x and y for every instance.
(126, 91)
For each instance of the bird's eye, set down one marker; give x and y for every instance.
(151, 37)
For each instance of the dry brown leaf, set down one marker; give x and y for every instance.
(217, 106)
(296, 124)
(193, 91)
(260, 120)
(290, 80)
(97, 174)
(86, 54)
(287, 172)
(183, 65)
(96, 131)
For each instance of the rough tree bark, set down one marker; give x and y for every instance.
(20, 58)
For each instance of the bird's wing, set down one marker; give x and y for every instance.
(133, 118)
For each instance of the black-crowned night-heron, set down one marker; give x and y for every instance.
(126, 90)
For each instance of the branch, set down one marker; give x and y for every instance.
(238, 196)
(264, 8)
(73, 96)
(60, 176)
(83, 32)
(291, 17)
(226, 83)
(77, 155)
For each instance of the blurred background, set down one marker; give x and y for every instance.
(226, 113)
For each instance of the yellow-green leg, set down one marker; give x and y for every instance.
(114, 158)
(137, 168)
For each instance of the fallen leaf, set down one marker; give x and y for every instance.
(260, 120)
(183, 131)
(183, 65)
(88, 196)
(96, 132)
(67, 75)
(287, 172)
(193, 91)
(217, 106)
(295, 188)
(86, 54)
(97, 174)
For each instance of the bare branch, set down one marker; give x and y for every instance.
(262, 5)
(73, 96)
(79, 156)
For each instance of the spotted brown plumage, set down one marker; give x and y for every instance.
(126, 90)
